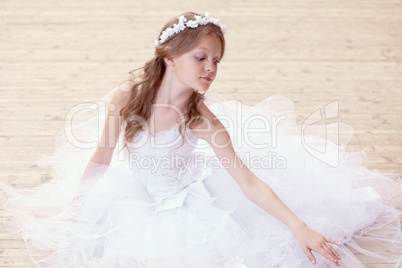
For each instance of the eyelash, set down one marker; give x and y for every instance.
(201, 58)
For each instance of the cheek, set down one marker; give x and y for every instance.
(193, 69)
(189, 70)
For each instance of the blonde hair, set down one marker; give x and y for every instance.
(145, 86)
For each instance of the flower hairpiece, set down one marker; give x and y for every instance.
(183, 24)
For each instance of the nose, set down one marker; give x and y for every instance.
(210, 67)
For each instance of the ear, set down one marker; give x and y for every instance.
(169, 61)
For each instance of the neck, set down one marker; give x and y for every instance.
(173, 93)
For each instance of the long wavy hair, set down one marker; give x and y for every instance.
(144, 87)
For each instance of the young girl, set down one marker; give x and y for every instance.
(175, 181)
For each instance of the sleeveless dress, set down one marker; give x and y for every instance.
(168, 202)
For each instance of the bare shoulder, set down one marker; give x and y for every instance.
(207, 119)
(206, 125)
(122, 95)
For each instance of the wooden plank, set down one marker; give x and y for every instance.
(54, 55)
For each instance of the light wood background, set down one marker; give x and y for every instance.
(55, 54)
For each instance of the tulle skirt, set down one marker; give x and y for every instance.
(113, 222)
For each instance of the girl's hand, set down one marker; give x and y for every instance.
(309, 239)
(77, 197)
(74, 200)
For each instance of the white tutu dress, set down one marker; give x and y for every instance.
(168, 202)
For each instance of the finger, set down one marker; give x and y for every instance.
(328, 239)
(327, 255)
(310, 255)
(327, 249)
(333, 241)
(335, 253)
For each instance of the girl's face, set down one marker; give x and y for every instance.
(197, 68)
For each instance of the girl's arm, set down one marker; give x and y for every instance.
(113, 123)
(102, 156)
(100, 160)
(258, 191)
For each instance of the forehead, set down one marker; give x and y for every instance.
(211, 44)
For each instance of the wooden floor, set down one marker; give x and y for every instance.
(55, 54)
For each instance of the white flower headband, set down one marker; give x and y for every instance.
(183, 24)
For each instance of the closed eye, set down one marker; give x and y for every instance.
(201, 59)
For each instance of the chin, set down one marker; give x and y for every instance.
(202, 89)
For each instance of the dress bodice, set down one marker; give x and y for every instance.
(165, 164)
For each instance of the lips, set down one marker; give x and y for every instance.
(207, 78)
